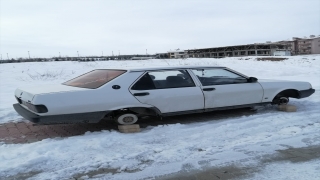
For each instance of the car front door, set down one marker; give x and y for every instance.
(169, 90)
(223, 88)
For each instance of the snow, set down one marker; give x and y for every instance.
(290, 171)
(166, 149)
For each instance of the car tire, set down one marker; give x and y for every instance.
(283, 100)
(126, 119)
(280, 100)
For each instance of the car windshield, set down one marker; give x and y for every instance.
(94, 79)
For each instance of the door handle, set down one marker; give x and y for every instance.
(208, 89)
(141, 94)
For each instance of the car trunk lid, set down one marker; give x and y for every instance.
(27, 93)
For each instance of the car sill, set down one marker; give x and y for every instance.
(213, 109)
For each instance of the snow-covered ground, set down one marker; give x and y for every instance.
(169, 148)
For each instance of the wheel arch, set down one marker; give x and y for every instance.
(289, 93)
(293, 93)
(153, 111)
(141, 110)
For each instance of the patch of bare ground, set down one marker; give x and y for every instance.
(271, 59)
(27, 132)
(239, 171)
(21, 176)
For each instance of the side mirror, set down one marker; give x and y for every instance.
(252, 79)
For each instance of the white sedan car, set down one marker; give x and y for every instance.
(127, 94)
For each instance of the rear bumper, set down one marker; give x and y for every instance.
(26, 114)
(306, 93)
(90, 117)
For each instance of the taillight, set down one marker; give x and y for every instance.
(19, 100)
(41, 108)
(35, 108)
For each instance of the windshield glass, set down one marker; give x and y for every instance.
(94, 79)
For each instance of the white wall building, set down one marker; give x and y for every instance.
(305, 45)
(176, 54)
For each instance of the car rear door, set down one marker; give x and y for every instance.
(169, 91)
(223, 88)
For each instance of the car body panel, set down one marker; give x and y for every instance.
(230, 94)
(233, 94)
(273, 87)
(90, 100)
(173, 99)
(89, 117)
(24, 95)
(67, 104)
(28, 93)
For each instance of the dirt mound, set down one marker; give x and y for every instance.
(271, 59)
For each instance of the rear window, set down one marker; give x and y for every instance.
(94, 79)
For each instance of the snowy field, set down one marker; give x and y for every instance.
(167, 149)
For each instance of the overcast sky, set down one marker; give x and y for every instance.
(47, 27)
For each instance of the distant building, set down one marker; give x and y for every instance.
(141, 58)
(296, 46)
(258, 49)
(162, 56)
(300, 46)
(176, 54)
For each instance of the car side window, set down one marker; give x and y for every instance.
(163, 80)
(144, 83)
(217, 76)
(171, 79)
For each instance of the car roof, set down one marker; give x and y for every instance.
(137, 69)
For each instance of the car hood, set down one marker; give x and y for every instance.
(27, 93)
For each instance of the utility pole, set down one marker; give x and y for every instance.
(78, 53)
(112, 53)
(59, 55)
(29, 54)
(8, 56)
(146, 51)
(119, 52)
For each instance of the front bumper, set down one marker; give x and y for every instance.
(306, 93)
(89, 117)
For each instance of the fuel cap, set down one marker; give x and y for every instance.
(116, 87)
